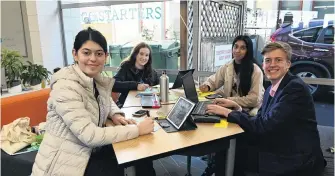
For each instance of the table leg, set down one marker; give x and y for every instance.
(230, 159)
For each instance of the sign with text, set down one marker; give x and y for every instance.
(115, 14)
(223, 54)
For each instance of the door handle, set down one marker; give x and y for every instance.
(320, 49)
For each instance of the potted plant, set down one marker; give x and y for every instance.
(11, 61)
(33, 74)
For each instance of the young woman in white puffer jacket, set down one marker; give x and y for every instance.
(77, 141)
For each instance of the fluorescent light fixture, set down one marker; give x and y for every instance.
(323, 7)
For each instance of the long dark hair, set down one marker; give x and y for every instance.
(132, 58)
(247, 65)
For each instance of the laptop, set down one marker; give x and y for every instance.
(178, 83)
(199, 112)
(191, 94)
(150, 101)
(178, 117)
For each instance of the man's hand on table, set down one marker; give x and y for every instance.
(227, 104)
(220, 107)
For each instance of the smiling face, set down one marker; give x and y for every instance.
(239, 50)
(275, 65)
(142, 58)
(90, 58)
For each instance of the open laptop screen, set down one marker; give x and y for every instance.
(180, 111)
(189, 88)
(178, 82)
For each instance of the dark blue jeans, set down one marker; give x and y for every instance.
(103, 162)
(247, 160)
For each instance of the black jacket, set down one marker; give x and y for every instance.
(286, 127)
(128, 77)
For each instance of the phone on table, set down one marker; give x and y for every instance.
(213, 96)
(140, 113)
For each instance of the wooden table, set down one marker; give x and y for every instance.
(161, 144)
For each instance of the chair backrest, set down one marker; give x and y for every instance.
(30, 104)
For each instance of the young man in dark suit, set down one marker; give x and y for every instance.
(282, 139)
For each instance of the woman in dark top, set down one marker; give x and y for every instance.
(135, 73)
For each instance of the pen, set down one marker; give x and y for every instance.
(148, 113)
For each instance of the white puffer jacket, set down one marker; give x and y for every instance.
(72, 123)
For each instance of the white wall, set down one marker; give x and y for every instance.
(267, 4)
(307, 5)
(32, 34)
(50, 34)
(5, 5)
(42, 33)
(71, 19)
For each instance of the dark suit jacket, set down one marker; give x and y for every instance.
(128, 77)
(286, 128)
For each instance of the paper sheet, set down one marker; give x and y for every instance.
(138, 120)
(161, 115)
(148, 91)
(223, 124)
(173, 97)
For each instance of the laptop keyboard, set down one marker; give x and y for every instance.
(201, 107)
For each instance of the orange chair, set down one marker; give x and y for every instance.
(32, 105)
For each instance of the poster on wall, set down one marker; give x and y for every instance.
(223, 54)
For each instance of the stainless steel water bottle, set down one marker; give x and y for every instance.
(164, 87)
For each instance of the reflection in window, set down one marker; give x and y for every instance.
(309, 35)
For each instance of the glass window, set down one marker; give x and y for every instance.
(290, 5)
(298, 34)
(306, 20)
(124, 26)
(329, 35)
(78, 1)
(309, 35)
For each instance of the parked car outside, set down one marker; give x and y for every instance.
(312, 51)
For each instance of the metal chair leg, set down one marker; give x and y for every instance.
(210, 169)
(188, 166)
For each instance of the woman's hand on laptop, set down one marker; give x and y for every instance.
(227, 104)
(218, 110)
